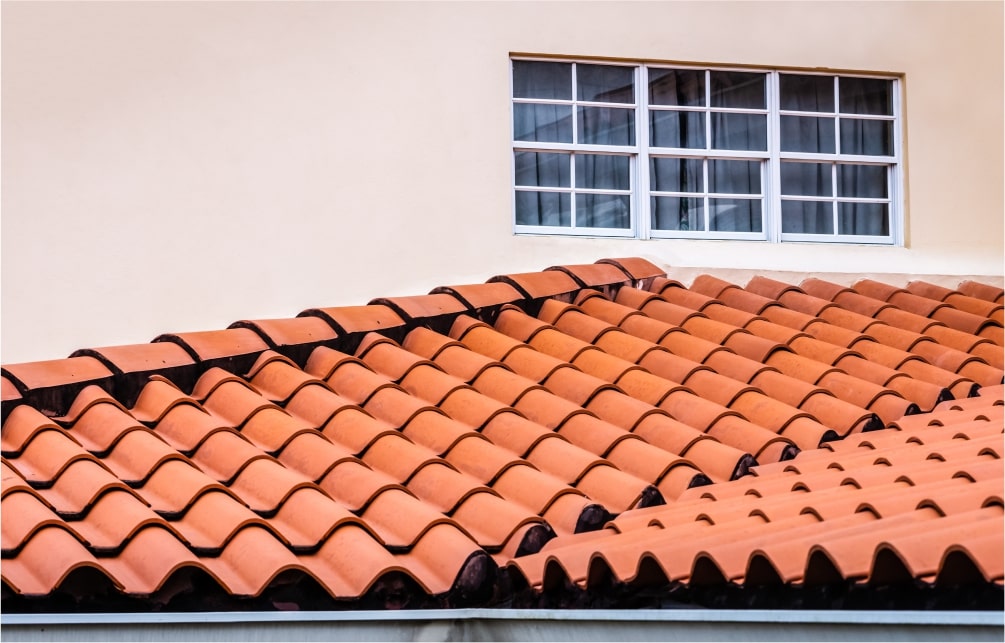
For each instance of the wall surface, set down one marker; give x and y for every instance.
(178, 166)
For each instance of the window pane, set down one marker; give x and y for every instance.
(807, 134)
(543, 208)
(870, 137)
(681, 87)
(540, 169)
(676, 213)
(605, 83)
(603, 211)
(677, 129)
(866, 96)
(862, 181)
(737, 89)
(603, 172)
(542, 80)
(739, 131)
(806, 179)
(863, 218)
(606, 126)
(675, 175)
(808, 217)
(735, 215)
(806, 93)
(734, 177)
(546, 123)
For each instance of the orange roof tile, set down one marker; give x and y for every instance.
(562, 431)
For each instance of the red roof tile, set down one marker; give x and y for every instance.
(702, 435)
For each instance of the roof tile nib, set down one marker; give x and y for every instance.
(587, 434)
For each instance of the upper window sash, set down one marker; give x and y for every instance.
(589, 106)
(707, 110)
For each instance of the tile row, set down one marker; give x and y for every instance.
(923, 503)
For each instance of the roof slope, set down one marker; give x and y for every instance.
(592, 434)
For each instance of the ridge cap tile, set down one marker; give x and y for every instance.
(479, 296)
(637, 268)
(346, 320)
(596, 275)
(209, 345)
(422, 307)
(541, 285)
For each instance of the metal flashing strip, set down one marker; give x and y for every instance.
(509, 624)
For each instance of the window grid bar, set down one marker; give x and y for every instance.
(845, 199)
(865, 117)
(692, 108)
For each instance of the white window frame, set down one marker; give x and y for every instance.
(576, 147)
(771, 159)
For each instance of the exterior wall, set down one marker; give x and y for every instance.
(172, 167)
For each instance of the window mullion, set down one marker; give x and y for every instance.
(772, 165)
(572, 186)
(642, 212)
(835, 205)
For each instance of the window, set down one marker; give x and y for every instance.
(648, 151)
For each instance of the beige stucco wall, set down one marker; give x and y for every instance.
(178, 166)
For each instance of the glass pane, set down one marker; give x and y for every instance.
(739, 131)
(543, 208)
(677, 129)
(737, 89)
(734, 177)
(806, 93)
(542, 80)
(676, 213)
(603, 211)
(870, 137)
(606, 126)
(734, 215)
(866, 96)
(863, 218)
(546, 123)
(675, 175)
(603, 172)
(807, 134)
(605, 83)
(806, 179)
(681, 87)
(808, 217)
(541, 169)
(862, 181)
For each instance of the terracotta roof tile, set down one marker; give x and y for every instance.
(481, 296)
(354, 484)
(538, 285)
(132, 364)
(982, 291)
(357, 319)
(596, 275)
(635, 267)
(208, 346)
(56, 373)
(281, 333)
(727, 436)
(48, 559)
(175, 485)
